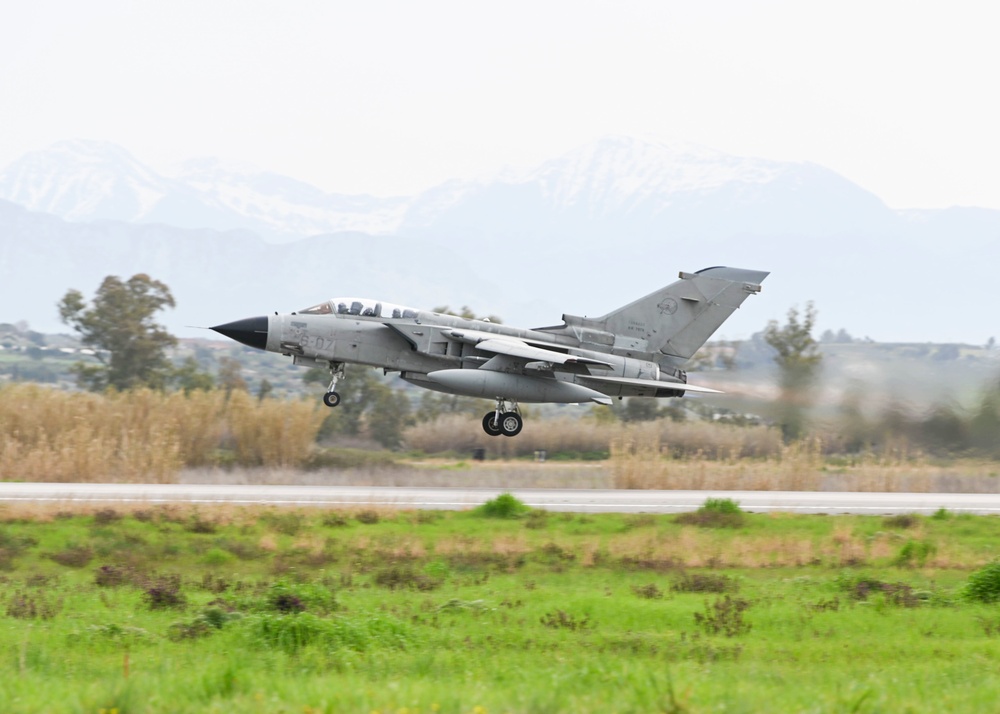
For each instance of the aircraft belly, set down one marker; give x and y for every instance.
(490, 385)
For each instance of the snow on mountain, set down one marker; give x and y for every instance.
(87, 181)
(83, 180)
(640, 191)
(287, 205)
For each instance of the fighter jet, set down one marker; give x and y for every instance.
(635, 351)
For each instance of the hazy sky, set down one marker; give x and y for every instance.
(392, 97)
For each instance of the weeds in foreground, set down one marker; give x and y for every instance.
(562, 620)
(705, 583)
(725, 617)
(547, 602)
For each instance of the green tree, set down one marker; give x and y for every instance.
(985, 423)
(388, 415)
(189, 377)
(264, 390)
(119, 326)
(798, 359)
(231, 376)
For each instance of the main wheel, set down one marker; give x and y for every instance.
(511, 423)
(331, 399)
(490, 424)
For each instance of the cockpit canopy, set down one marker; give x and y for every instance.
(360, 307)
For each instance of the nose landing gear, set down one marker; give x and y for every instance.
(332, 398)
(505, 419)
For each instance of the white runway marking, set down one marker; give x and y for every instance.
(581, 500)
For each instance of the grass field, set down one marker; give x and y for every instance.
(173, 609)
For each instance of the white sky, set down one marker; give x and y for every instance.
(392, 97)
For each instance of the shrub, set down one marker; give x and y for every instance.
(105, 516)
(705, 583)
(506, 505)
(165, 594)
(984, 584)
(27, 607)
(291, 633)
(334, 519)
(368, 517)
(76, 557)
(406, 579)
(562, 620)
(914, 553)
(286, 523)
(111, 576)
(724, 616)
(903, 520)
(288, 597)
(715, 513)
(210, 620)
(721, 505)
(648, 592)
(861, 587)
(537, 519)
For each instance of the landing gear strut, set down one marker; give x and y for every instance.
(505, 419)
(332, 398)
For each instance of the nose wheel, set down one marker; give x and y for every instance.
(332, 398)
(505, 419)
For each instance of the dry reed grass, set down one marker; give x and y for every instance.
(454, 433)
(143, 435)
(646, 464)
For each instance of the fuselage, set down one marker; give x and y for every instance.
(420, 344)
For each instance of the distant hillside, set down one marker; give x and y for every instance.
(582, 233)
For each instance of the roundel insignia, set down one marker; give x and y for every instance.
(668, 306)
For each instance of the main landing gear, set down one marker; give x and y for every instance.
(505, 419)
(332, 398)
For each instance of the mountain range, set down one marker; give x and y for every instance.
(583, 233)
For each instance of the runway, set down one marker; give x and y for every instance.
(576, 500)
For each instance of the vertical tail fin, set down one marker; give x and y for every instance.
(678, 319)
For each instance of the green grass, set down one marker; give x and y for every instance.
(320, 611)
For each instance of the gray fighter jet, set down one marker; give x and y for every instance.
(635, 351)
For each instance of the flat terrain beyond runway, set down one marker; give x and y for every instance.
(581, 500)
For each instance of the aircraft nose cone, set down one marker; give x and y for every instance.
(251, 332)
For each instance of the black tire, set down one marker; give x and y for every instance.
(331, 399)
(511, 423)
(489, 424)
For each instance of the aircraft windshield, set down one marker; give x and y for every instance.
(361, 307)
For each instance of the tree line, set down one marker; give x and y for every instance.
(131, 348)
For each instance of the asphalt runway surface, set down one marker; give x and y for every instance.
(575, 500)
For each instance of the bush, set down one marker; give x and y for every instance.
(724, 616)
(649, 592)
(705, 583)
(914, 553)
(165, 595)
(715, 513)
(73, 557)
(903, 520)
(28, 607)
(291, 633)
(984, 584)
(506, 505)
(721, 505)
